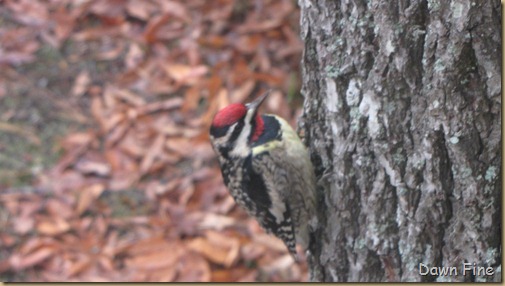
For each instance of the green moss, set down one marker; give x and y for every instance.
(401, 191)
(491, 255)
(490, 174)
(362, 22)
(398, 157)
(360, 244)
(454, 140)
(433, 5)
(332, 71)
(488, 189)
(417, 31)
(439, 66)
(390, 108)
(398, 30)
(465, 172)
(355, 117)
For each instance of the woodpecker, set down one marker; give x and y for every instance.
(267, 171)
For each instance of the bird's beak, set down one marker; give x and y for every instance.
(256, 104)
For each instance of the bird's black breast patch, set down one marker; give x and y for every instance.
(255, 187)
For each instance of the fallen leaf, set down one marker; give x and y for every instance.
(236, 274)
(15, 58)
(117, 134)
(187, 191)
(147, 245)
(193, 268)
(153, 153)
(214, 221)
(77, 139)
(87, 196)
(59, 207)
(155, 25)
(63, 180)
(252, 251)
(140, 9)
(260, 27)
(120, 161)
(31, 13)
(19, 262)
(126, 95)
(81, 83)
(135, 54)
(191, 99)
(214, 41)
(280, 263)
(240, 94)
(4, 265)
(175, 8)
(106, 263)
(113, 121)
(284, 268)
(35, 243)
(270, 242)
(248, 44)
(180, 145)
(160, 106)
(79, 266)
(156, 258)
(131, 146)
(23, 225)
(7, 240)
(122, 180)
(53, 226)
(185, 74)
(224, 252)
(93, 168)
(166, 274)
(159, 188)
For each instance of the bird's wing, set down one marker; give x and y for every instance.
(277, 211)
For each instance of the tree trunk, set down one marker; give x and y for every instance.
(403, 119)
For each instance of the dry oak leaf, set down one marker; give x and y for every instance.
(185, 74)
(193, 268)
(19, 262)
(53, 226)
(218, 248)
(157, 258)
(87, 196)
(81, 83)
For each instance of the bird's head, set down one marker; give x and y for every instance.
(237, 126)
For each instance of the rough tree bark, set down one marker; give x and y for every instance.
(403, 119)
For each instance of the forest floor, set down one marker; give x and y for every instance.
(106, 171)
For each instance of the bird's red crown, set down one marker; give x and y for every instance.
(229, 115)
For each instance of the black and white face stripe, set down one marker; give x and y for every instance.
(238, 127)
(241, 143)
(233, 139)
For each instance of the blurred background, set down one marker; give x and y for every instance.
(106, 170)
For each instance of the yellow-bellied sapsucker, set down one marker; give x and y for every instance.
(267, 170)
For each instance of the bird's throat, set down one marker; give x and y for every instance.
(259, 127)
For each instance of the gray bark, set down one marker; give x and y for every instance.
(403, 119)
